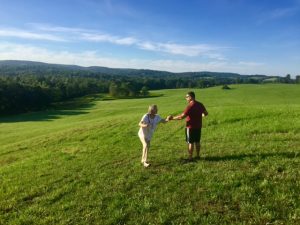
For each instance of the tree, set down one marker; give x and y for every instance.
(288, 78)
(113, 89)
(226, 87)
(144, 91)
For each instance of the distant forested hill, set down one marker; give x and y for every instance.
(15, 67)
(27, 85)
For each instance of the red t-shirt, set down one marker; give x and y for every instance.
(193, 114)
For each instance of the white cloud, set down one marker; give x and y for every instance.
(47, 27)
(189, 50)
(108, 38)
(242, 63)
(92, 58)
(148, 46)
(282, 12)
(59, 33)
(125, 41)
(186, 50)
(277, 14)
(29, 35)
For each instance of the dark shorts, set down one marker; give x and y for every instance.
(192, 135)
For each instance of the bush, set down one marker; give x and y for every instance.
(226, 87)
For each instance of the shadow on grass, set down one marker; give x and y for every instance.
(71, 107)
(243, 119)
(185, 161)
(55, 112)
(289, 155)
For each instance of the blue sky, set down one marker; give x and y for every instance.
(242, 36)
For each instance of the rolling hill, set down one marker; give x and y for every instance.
(81, 165)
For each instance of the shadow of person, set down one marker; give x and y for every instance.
(289, 155)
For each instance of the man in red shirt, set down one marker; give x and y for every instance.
(193, 114)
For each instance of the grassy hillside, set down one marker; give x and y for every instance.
(82, 165)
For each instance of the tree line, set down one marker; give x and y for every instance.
(23, 92)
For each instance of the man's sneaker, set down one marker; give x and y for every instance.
(146, 164)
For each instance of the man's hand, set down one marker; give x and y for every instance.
(169, 117)
(179, 117)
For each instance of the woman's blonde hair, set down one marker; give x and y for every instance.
(152, 108)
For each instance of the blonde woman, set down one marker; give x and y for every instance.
(147, 125)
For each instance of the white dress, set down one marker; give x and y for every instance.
(147, 132)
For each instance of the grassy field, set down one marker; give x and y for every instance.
(82, 165)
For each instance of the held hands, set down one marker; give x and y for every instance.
(169, 117)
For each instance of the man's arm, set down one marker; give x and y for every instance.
(168, 118)
(179, 117)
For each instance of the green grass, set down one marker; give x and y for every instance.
(82, 165)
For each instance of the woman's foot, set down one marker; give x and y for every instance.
(146, 164)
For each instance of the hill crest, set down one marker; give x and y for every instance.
(8, 67)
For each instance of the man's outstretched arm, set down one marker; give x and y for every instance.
(179, 117)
